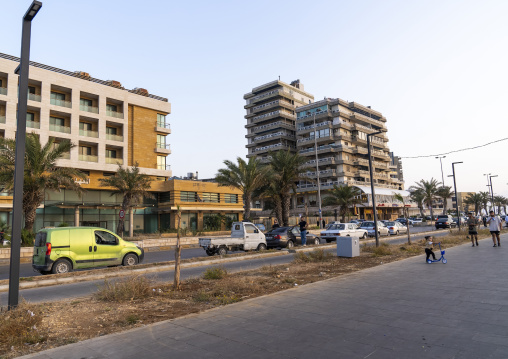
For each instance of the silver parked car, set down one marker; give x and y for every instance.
(396, 227)
(369, 227)
(335, 230)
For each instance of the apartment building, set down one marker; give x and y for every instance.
(108, 124)
(271, 117)
(332, 135)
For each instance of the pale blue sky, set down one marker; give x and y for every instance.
(435, 69)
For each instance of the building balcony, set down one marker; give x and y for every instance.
(380, 154)
(306, 129)
(65, 156)
(321, 149)
(2, 119)
(61, 103)
(3, 90)
(322, 174)
(310, 140)
(164, 167)
(362, 150)
(111, 137)
(34, 97)
(376, 164)
(163, 148)
(274, 136)
(366, 174)
(359, 117)
(86, 133)
(319, 115)
(321, 161)
(274, 147)
(91, 109)
(58, 128)
(274, 125)
(88, 158)
(114, 114)
(163, 127)
(112, 160)
(33, 124)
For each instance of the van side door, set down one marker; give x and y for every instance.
(107, 249)
(81, 246)
(251, 237)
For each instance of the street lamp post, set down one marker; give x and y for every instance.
(492, 193)
(317, 172)
(19, 164)
(373, 194)
(456, 194)
(441, 161)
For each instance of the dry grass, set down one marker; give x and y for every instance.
(131, 288)
(21, 326)
(315, 256)
(218, 272)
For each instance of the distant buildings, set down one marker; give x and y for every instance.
(339, 129)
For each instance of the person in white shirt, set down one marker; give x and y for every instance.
(494, 223)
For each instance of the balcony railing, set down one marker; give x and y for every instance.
(2, 119)
(58, 128)
(61, 103)
(277, 134)
(164, 167)
(321, 124)
(91, 109)
(118, 138)
(33, 124)
(264, 148)
(87, 133)
(88, 158)
(65, 156)
(113, 160)
(164, 125)
(3, 90)
(164, 146)
(34, 97)
(114, 114)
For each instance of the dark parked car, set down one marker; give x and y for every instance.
(288, 237)
(403, 221)
(445, 223)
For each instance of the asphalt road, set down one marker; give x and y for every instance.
(151, 257)
(75, 290)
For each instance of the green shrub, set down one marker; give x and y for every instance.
(63, 224)
(215, 273)
(132, 319)
(27, 238)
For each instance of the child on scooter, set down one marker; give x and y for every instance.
(429, 247)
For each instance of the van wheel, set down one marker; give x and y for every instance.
(222, 251)
(210, 252)
(130, 260)
(262, 247)
(61, 266)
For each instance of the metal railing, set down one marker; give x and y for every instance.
(34, 97)
(88, 158)
(164, 125)
(33, 124)
(58, 128)
(91, 109)
(165, 146)
(277, 134)
(113, 160)
(61, 103)
(112, 137)
(164, 167)
(321, 124)
(87, 133)
(114, 114)
(3, 90)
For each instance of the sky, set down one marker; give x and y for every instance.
(435, 69)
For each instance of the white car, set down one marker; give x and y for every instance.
(369, 227)
(335, 230)
(396, 227)
(417, 220)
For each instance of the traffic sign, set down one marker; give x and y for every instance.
(121, 214)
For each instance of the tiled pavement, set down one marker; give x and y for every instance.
(407, 309)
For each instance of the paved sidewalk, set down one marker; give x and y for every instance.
(406, 309)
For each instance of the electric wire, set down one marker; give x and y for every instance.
(455, 151)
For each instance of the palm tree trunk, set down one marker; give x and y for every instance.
(431, 211)
(285, 209)
(278, 208)
(131, 222)
(247, 197)
(30, 218)
(444, 205)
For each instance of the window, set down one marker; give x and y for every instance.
(85, 102)
(161, 141)
(31, 89)
(112, 108)
(85, 126)
(161, 120)
(161, 162)
(30, 116)
(85, 150)
(250, 228)
(106, 238)
(57, 96)
(111, 130)
(108, 174)
(210, 197)
(110, 153)
(188, 196)
(56, 121)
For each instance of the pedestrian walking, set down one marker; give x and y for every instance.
(303, 230)
(494, 223)
(473, 224)
(324, 224)
(275, 223)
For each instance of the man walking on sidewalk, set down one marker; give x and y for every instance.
(473, 224)
(303, 230)
(494, 223)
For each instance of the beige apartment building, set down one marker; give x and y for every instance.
(336, 131)
(271, 116)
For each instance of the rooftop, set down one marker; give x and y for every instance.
(86, 77)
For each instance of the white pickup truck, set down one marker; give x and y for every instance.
(245, 236)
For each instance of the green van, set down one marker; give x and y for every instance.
(60, 250)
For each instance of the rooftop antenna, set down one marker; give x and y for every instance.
(279, 77)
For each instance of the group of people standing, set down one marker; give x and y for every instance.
(495, 224)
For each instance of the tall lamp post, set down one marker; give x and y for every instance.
(317, 172)
(441, 161)
(374, 211)
(19, 164)
(492, 193)
(456, 194)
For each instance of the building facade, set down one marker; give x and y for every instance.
(271, 117)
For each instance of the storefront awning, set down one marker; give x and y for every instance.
(383, 191)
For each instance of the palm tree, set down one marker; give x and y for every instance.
(41, 172)
(133, 186)
(429, 189)
(246, 176)
(286, 169)
(474, 199)
(399, 198)
(418, 197)
(499, 202)
(445, 192)
(271, 190)
(343, 196)
(485, 198)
